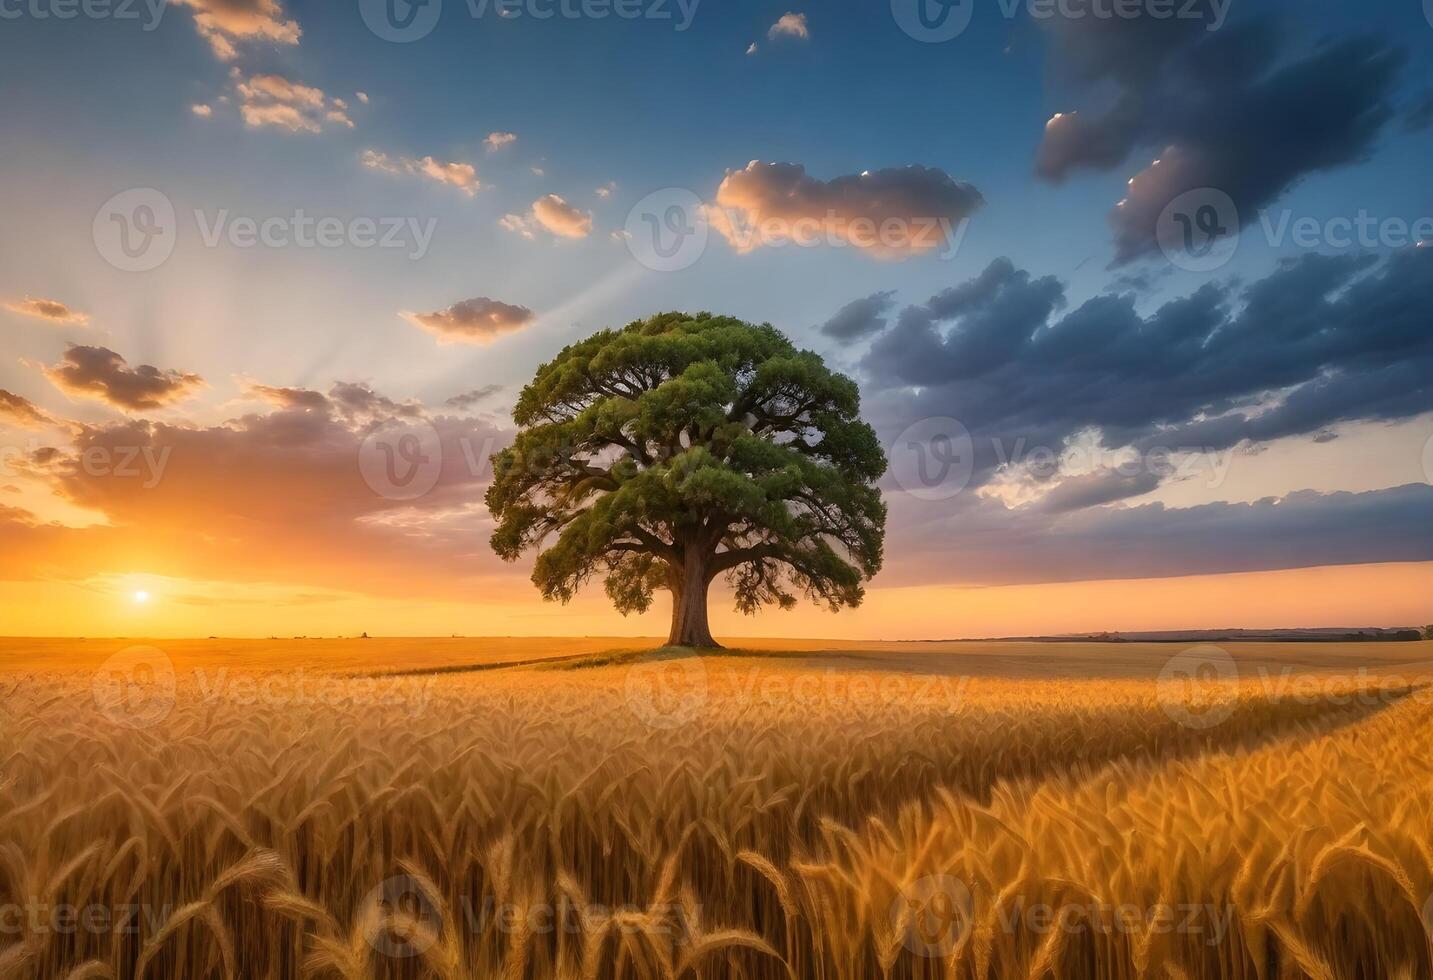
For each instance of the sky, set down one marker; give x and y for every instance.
(1133, 291)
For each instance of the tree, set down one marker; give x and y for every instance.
(1428, 632)
(680, 448)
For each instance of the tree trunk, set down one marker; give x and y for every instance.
(689, 601)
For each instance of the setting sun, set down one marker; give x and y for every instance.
(141, 597)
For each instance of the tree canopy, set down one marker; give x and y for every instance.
(683, 447)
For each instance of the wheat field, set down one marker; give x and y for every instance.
(959, 811)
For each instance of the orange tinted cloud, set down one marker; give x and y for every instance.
(463, 176)
(16, 410)
(561, 218)
(790, 25)
(273, 100)
(473, 321)
(890, 213)
(552, 214)
(224, 22)
(48, 309)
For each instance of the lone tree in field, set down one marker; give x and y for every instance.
(681, 448)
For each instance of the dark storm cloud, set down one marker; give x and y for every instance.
(1230, 109)
(1097, 489)
(860, 318)
(1322, 340)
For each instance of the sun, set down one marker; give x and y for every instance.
(141, 597)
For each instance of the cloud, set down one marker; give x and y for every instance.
(281, 475)
(302, 399)
(99, 373)
(518, 225)
(48, 309)
(18, 411)
(1419, 115)
(356, 401)
(561, 218)
(202, 110)
(552, 214)
(496, 141)
(1305, 529)
(1096, 489)
(463, 176)
(362, 97)
(605, 191)
(860, 318)
(273, 100)
(893, 213)
(468, 399)
(1231, 110)
(751, 49)
(473, 321)
(224, 22)
(1320, 341)
(789, 25)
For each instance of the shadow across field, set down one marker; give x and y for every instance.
(1253, 721)
(1409, 664)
